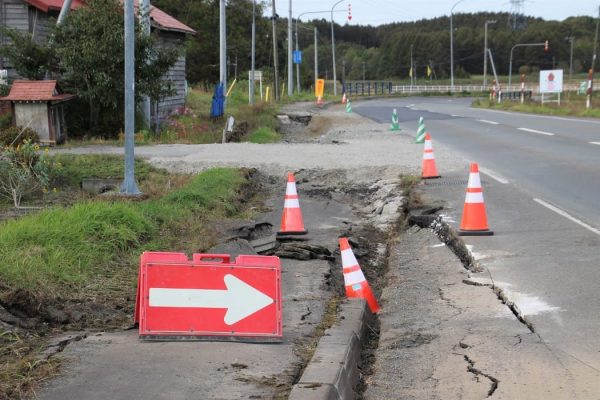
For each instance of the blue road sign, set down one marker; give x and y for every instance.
(297, 57)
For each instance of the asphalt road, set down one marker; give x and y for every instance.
(541, 180)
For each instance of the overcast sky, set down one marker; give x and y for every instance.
(376, 12)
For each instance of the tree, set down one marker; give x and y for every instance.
(90, 46)
(32, 60)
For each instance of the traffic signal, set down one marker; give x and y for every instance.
(546, 46)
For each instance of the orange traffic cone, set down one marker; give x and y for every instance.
(354, 280)
(474, 220)
(319, 100)
(291, 220)
(344, 98)
(429, 168)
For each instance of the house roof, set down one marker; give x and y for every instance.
(23, 90)
(159, 18)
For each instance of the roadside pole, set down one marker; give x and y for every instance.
(275, 57)
(144, 12)
(223, 45)
(290, 78)
(253, 56)
(591, 72)
(129, 186)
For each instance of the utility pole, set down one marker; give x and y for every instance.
(591, 77)
(333, 49)
(223, 44)
(275, 60)
(145, 27)
(64, 11)
(129, 186)
(297, 65)
(571, 39)
(343, 73)
(485, 52)
(363, 71)
(316, 59)
(412, 72)
(290, 78)
(253, 56)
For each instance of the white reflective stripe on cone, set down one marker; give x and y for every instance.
(474, 180)
(428, 156)
(428, 145)
(354, 277)
(290, 189)
(348, 258)
(474, 198)
(291, 203)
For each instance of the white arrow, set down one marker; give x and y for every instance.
(240, 299)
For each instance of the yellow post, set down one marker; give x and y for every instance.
(267, 94)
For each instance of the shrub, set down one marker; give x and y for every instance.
(23, 171)
(8, 136)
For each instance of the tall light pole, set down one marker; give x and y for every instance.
(298, 48)
(253, 56)
(485, 47)
(290, 77)
(333, 49)
(363, 70)
(452, 45)
(511, 58)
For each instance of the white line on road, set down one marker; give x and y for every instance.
(567, 216)
(598, 143)
(488, 122)
(494, 175)
(587, 121)
(536, 131)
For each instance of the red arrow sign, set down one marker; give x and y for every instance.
(214, 299)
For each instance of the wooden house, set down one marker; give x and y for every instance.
(37, 17)
(38, 105)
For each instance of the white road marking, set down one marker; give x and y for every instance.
(494, 176)
(598, 143)
(587, 121)
(536, 131)
(454, 115)
(567, 216)
(488, 122)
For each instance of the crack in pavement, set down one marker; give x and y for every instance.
(477, 372)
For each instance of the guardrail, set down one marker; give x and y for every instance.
(370, 88)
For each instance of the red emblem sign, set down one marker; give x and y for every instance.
(209, 297)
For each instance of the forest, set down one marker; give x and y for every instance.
(380, 52)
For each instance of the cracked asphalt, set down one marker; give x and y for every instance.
(443, 336)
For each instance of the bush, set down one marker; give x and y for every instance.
(8, 136)
(23, 171)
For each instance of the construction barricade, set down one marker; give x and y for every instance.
(209, 297)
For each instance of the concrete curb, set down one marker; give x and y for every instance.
(332, 373)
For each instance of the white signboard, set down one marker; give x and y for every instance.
(257, 75)
(3, 76)
(551, 81)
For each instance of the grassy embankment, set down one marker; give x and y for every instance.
(76, 266)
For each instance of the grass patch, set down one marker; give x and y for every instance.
(574, 107)
(264, 135)
(62, 251)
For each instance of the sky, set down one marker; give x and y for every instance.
(377, 12)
